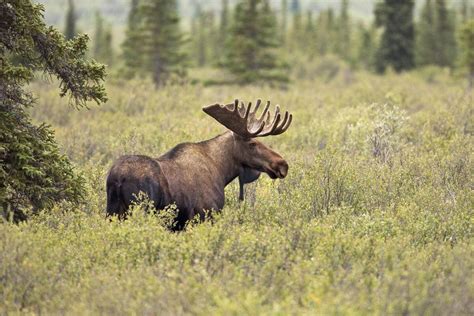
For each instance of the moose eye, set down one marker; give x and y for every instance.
(253, 145)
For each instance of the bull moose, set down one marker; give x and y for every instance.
(194, 175)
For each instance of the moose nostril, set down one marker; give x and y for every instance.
(282, 167)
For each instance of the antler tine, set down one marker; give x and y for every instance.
(257, 105)
(265, 111)
(288, 124)
(285, 124)
(285, 119)
(236, 105)
(243, 121)
(271, 127)
(248, 110)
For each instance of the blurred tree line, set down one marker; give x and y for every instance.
(251, 40)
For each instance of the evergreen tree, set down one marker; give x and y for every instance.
(309, 37)
(366, 49)
(200, 36)
(98, 36)
(397, 44)
(284, 20)
(466, 41)
(445, 38)
(108, 51)
(213, 36)
(251, 55)
(343, 42)
(426, 36)
(224, 22)
(297, 28)
(132, 49)
(70, 29)
(162, 40)
(33, 172)
(102, 49)
(466, 11)
(326, 33)
(322, 33)
(309, 27)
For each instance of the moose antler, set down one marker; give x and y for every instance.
(243, 122)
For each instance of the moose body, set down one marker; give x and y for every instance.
(194, 175)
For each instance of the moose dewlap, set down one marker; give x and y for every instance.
(194, 175)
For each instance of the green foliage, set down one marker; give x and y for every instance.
(205, 38)
(284, 21)
(375, 216)
(435, 44)
(297, 31)
(366, 50)
(466, 37)
(154, 41)
(102, 50)
(131, 53)
(343, 40)
(325, 32)
(251, 47)
(33, 173)
(71, 18)
(466, 11)
(446, 42)
(426, 36)
(397, 43)
(224, 22)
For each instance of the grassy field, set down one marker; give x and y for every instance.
(375, 217)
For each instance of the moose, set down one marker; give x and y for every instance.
(194, 175)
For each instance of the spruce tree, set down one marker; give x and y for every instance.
(331, 29)
(102, 48)
(213, 36)
(251, 47)
(108, 51)
(70, 29)
(33, 172)
(466, 41)
(426, 36)
(397, 44)
(310, 34)
(323, 27)
(445, 39)
(132, 49)
(98, 36)
(284, 21)
(200, 36)
(162, 40)
(224, 22)
(466, 11)
(343, 32)
(297, 31)
(366, 47)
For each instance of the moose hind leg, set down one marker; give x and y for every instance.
(115, 205)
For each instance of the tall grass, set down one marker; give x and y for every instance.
(375, 217)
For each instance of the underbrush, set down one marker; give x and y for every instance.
(375, 216)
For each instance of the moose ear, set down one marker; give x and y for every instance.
(246, 175)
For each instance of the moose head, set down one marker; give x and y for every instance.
(245, 126)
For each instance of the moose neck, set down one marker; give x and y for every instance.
(221, 149)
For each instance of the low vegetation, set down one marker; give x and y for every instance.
(374, 217)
